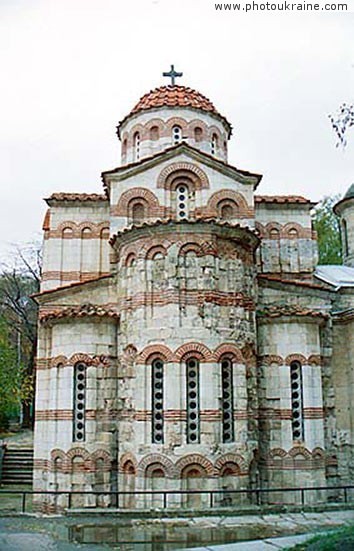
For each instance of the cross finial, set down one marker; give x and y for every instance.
(172, 74)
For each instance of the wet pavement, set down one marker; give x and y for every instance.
(216, 533)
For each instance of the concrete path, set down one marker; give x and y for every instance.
(258, 545)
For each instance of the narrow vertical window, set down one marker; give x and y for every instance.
(79, 402)
(157, 401)
(214, 144)
(345, 237)
(227, 402)
(176, 134)
(136, 141)
(182, 202)
(193, 416)
(297, 401)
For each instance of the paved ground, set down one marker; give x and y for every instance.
(62, 533)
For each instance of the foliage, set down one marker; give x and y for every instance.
(336, 540)
(342, 121)
(326, 224)
(15, 384)
(18, 281)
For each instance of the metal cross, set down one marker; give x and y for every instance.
(172, 74)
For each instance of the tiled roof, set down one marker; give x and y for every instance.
(279, 279)
(175, 96)
(281, 199)
(80, 197)
(84, 310)
(279, 310)
(170, 221)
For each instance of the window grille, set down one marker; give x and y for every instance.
(297, 401)
(157, 402)
(227, 401)
(193, 414)
(79, 402)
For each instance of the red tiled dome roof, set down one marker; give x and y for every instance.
(175, 96)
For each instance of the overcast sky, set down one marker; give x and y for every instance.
(71, 69)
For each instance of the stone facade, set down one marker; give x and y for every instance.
(184, 333)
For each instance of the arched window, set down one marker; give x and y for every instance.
(198, 134)
(136, 145)
(79, 402)
(176, 135)
(154, 133)
(297, 401)
(182, 197)
(227, 401)
(124, 148)
(214, 144)
(138, 213)
(157, 401)
(193, 413)
(345, 237)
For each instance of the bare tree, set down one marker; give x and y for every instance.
(342, 121)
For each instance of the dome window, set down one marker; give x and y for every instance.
(214, 144)
(176, 135)
(198, 134)
(136, 141)
(154, 133)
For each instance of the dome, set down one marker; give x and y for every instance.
(176, 96)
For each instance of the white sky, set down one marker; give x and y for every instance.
(71, 69)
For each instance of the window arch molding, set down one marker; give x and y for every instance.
(171, 174)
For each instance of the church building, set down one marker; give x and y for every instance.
(187, 337)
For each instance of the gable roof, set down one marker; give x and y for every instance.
(131, 169)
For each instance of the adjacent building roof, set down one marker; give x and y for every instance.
(84, 310)
(349, 195)
(283, 199)
(175, 96)
(75, 197)
(338, 276)
(279, 310)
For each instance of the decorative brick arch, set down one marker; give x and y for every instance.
(273, 230)
(159, 123)
(277, 453)
(176, 121)
(195, 460)
(134, 194)
(314, 359)
(318, 454)
(127, 462)
(229, 350)
(270, 359)
(302, 233)
(193, 172)
(196, 123)
(300, 451)
(295, 358)
(190, 247)
(154, 459)
(78, 452)
(140, 128)
(244, 210)
(104, 455)
(236, 460)
(59, 361)
(156, 350)
(79, 357)
(194, 349)
(156, 249)
(261, 229)
(129, 259)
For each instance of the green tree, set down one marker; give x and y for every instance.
(326, 224)
(15, 384)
